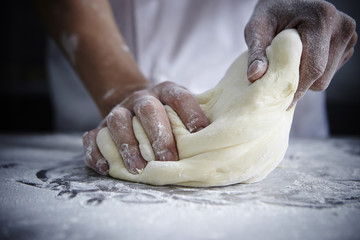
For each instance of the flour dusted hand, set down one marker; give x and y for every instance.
(148, 107)
(328, 36)
(248, 132)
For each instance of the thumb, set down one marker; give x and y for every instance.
(259, 32)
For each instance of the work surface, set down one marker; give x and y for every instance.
(48, 193)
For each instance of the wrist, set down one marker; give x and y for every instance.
(116, 94)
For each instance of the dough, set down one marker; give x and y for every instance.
(249, 130)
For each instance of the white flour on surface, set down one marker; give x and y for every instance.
(48, 191)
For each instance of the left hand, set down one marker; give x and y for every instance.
(148, 106)
(328, 38)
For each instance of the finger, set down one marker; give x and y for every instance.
(151, 113)
(334, 63)
(120, 127)
(314, 57)
(259, 33)
(346, 58)
(184, 104)
(349, 51)
(93, 158)
(342, 41)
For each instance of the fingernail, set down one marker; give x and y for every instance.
(166, 155)
(255, 70)
(135, 164)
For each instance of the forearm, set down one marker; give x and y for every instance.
(87, 34)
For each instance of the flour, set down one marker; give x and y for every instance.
(70, 43)
(47, 191)
(109, 93)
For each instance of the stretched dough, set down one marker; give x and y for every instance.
(249, 130)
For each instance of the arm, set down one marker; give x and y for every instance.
(328, 37)
(88, 35)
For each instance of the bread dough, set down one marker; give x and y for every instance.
(249, 130)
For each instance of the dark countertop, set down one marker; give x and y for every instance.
(48, 193)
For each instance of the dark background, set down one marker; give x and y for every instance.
(25, 101)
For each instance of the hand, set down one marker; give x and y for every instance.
(328, 38)
(148, 106)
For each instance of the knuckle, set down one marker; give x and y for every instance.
(318, 69)
(165, 84)
(251, 34)
(146, 105)
(328, 9)
(319, 12)
(250, 31)
(324, 10)
(353, 40)
(134, 97)
(139, 94)
(257, 53)
(348, 26)
(164, 88)
(349, 21)
(247, 31)
(118, 115)
(320, 85)
(315, 71)
(181, 100)
(178, 95)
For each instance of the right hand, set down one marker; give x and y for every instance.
(148, 106)
(328, 36)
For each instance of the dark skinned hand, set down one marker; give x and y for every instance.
(328, 38)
